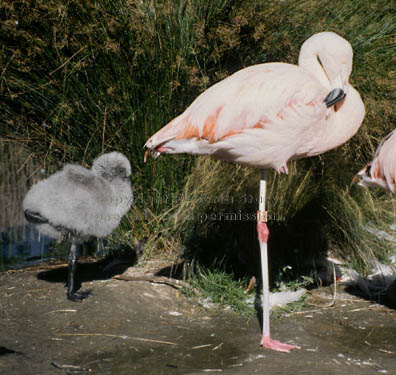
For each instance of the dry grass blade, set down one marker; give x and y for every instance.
(119, 337)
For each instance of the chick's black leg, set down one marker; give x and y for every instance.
(71, 293)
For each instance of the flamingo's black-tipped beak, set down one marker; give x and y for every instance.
(334, 97)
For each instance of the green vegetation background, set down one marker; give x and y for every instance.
(78, 78)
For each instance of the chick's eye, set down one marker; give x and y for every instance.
(368, 170)
(120, 171)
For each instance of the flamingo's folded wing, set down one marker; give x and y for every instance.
(254, 97)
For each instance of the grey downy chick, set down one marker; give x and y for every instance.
(77, 203)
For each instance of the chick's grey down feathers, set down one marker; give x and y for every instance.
(86, 202)
(77, 203)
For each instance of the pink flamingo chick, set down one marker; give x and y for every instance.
(267, 114)
(381, 171)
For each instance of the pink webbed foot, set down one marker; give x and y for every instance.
(268, 343)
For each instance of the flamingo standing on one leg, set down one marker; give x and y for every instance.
(267, 114)
(381, 171)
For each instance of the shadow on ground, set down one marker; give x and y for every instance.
(90, 270)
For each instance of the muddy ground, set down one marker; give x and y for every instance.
(141, 327)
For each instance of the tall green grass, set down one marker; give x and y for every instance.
(79, 78)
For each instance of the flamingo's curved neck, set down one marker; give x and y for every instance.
(309, 61)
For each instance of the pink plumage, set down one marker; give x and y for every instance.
(381, 171)
(268, 114)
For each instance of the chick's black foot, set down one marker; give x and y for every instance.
(78, 296)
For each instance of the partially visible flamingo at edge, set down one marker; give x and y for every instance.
(381, 171)
(267, 114)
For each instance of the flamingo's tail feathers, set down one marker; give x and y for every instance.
(171, 138)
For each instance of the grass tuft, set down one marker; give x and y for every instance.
(222, 288)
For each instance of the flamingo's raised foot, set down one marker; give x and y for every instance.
(269, 343)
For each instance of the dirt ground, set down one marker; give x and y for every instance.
(140, 327)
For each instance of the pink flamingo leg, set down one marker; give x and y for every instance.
(263, 232)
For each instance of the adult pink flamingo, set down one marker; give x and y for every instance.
(381, 171)
(267, 114)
